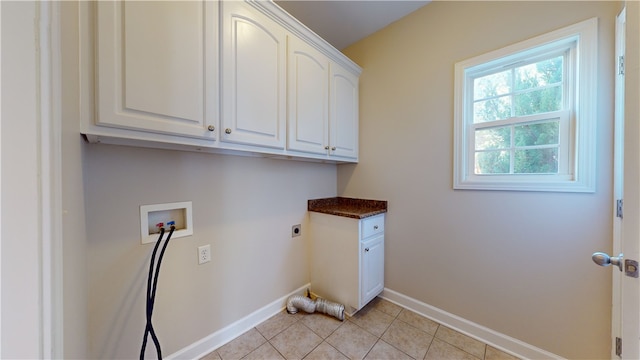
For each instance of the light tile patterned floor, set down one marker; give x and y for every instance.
(381, 330)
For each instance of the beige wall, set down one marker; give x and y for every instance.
(516, 262)
(244, 207)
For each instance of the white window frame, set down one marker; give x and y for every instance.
(577, 173)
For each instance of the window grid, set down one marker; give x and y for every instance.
(514, 119)
(515, 92)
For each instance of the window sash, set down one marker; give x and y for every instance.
(566, 50)
(565, 142)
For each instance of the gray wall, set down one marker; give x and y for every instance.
(74, 251)
(244, 207)
(516, 262)
(21, 203)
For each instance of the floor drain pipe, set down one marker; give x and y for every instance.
(296, 302)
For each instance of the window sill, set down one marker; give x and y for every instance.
(541, 185)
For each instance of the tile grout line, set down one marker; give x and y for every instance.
(379, 338)
(324, 339)
(433, 337)
(393, 315)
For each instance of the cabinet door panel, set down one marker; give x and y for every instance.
(308, 98)
(372, 272)
(152, 71)
(344, 113)
(254, 77)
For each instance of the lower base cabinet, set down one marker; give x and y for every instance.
(347, 259)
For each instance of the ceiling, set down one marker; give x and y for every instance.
(344, 22)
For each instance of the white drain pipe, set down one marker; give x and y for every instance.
(296, 302)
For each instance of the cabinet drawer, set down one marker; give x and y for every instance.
(372, 226)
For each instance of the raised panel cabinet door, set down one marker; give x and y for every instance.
(253, 77)
(343, 116)
(372, 271)
(157, 66)
(308, 91)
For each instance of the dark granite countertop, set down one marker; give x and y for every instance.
(348, 207)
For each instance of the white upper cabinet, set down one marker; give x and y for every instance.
(323, 104)
(253, 77)
(214, 76)
(343, 105)
(308, 98)
(156, 67)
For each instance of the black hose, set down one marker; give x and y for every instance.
(151, 293)
(148, 327)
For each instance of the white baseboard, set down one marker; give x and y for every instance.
(500, 341)
(206, 345)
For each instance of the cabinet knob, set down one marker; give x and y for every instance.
(375, 227)
(326, 147)
(333, 148)
(227, 131)
(211, 128)
(366, 249)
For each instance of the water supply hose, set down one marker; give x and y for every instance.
(151, 293)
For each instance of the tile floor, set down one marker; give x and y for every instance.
(381, 330)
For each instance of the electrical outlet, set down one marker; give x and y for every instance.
(296, 230)
(204, 254)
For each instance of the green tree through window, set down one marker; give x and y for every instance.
(529, 148)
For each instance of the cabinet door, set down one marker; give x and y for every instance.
(308, 93)
(157, 66)
(343, 116)
(253, 77)
(372, 268)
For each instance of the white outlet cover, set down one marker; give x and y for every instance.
(204, 254)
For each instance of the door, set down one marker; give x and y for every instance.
(625, 326)
(630, 234)
(629, 242)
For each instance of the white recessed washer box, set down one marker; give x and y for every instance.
(152, 215)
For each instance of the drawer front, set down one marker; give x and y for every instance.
(372, 226)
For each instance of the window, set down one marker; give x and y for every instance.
(525, 114)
